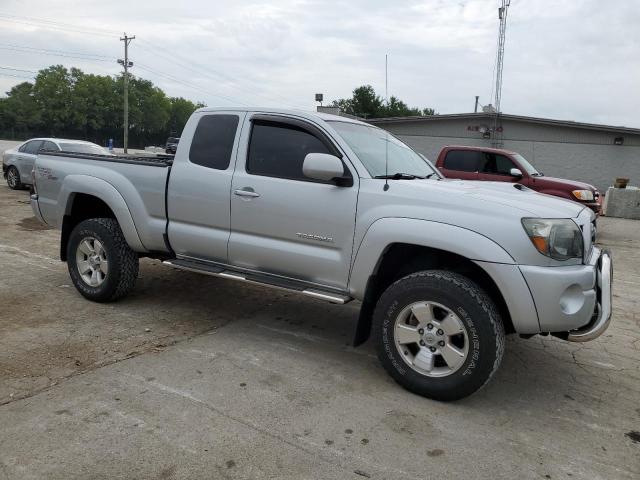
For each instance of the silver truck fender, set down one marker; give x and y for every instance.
(74, 184)
(387, 231)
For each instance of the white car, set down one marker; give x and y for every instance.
(18, 162)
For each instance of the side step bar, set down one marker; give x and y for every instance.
(259, 279)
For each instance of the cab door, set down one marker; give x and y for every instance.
(282, 222)
(200, 184)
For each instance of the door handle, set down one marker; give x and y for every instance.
(246, 192)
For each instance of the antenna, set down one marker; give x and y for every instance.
(386, 163)
(386, 79)
(502, 15)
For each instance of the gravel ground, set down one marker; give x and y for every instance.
(198, 377)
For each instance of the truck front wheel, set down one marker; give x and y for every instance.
(101, 264)
(438, 334)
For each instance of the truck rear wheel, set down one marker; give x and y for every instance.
(438, 334)
(101, 264)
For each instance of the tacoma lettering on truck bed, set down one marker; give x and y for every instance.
(339, 210)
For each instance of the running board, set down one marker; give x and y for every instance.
(259, 279)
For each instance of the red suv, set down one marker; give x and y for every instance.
(490, 164)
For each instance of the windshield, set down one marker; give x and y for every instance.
(375, 146)
(83, 148)
(531, 170)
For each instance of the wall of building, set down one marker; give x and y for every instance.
(578, 154)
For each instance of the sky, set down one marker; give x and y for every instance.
(573, 60)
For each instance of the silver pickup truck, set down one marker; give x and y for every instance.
(339, 210)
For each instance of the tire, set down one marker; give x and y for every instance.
(13, 178)
(455, 303)
(115, 266)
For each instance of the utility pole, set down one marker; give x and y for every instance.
(475, 109)
(502, 15)
(126, 64)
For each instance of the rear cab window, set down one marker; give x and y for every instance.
(213, 141)
(462, 160)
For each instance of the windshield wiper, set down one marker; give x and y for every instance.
(400, 176)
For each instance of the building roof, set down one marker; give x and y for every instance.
(505, 116)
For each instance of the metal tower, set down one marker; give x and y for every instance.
(497, 124)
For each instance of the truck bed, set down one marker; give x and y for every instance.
(137, 184)
(148, 160)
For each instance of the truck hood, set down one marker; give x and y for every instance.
(500, 197)
(561, 184)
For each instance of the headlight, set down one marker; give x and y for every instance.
(559, 238)
(584, 195)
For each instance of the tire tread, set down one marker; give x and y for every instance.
(461, 282)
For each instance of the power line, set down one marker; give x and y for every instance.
(189, 85)
(54, 25)
(16, 76)
(54, 53)
(27, 47)
(17, 69)
(207, 71)
(188, 64)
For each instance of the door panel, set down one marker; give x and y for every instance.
(200, 185)
(294, 227)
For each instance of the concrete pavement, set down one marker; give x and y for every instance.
(198, 377)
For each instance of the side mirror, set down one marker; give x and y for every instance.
(322, 166)
(515, 172)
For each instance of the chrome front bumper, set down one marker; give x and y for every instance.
(602, 316)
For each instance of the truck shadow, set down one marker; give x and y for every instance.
(532, 370)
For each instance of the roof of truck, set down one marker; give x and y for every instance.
(479, 148)
(298, 113)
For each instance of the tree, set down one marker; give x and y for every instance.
(181, 110)
(367, 104)
(53, 94)
(70, 103)
(19, 111)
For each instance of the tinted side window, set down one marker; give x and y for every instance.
(50, 146)
(462, 160)
(32, 147)
(278, 150)
(496, 164)
(212, 142)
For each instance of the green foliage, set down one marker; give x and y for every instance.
(71, 103)
(366, 103)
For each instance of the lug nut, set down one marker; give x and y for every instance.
(441, 343)
(440, 332)
(433, 349)
(429, 326)
(421, 331)
(422, 343)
